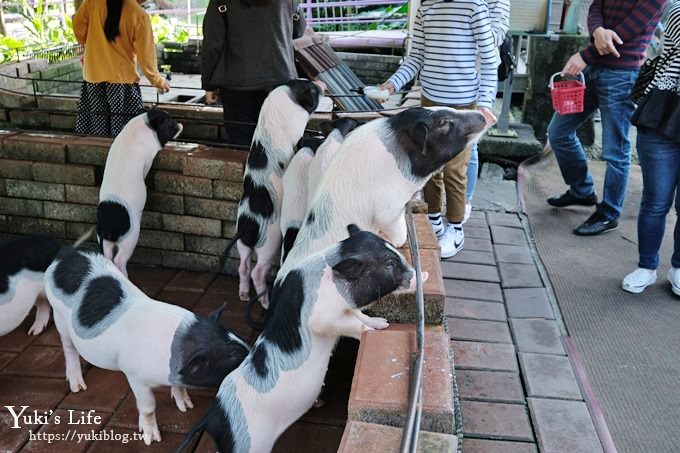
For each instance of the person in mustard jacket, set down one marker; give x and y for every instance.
(117, 35)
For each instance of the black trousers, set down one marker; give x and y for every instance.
(241, 110)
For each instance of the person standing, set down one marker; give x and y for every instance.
(658, 145)
(117, 35)
(620, 31)
(247, 51)
(449, 36)
(499, 14)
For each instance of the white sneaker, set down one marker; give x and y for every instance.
(674, 278)
(451, 242)
(639, 279)
(468, 211)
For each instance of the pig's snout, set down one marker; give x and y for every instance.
(412, 284)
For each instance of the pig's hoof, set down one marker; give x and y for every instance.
(265, 303)
(181, 397)
(38, 326)
(77, 383)
(244, 295)
(150, 433)
(377, 323)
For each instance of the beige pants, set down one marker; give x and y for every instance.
(452, 179)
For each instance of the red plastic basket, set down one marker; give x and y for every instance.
(567, 95)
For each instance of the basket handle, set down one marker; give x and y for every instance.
(552, 79)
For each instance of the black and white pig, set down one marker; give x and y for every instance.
(103, 317)
(23, 261)
(378, 169)
(283, 117)
(319, 300)
(295, 185)
(123, 193)
(335, 132)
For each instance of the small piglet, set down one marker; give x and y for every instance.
(319, 300)
(335, 132)
(23, 261)
(280, 126)
(123, 193)
(295, 188)
(377, 170)
(103, 317)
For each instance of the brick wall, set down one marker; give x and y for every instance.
(50, 183)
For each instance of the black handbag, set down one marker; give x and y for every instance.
(507, 54)
(644, 78)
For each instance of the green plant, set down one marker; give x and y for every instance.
(46, 25)
(9, 47)
(172, 29)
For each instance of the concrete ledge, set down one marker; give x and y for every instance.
(360, 437)
(381, 379)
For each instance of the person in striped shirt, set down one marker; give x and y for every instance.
(449, 37)
(620, 32)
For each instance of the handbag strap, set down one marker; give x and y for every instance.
(296, 10)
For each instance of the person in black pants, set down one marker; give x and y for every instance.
(247, 51)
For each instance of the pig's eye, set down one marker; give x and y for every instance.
(390, 263)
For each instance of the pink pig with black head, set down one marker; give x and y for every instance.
(103, 317)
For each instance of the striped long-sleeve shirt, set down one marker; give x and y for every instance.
(448, 38)
(499, 13)
(633, 20)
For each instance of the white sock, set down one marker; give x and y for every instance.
(456, 226)
(437, 223)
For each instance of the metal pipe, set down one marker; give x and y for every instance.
(409, 440)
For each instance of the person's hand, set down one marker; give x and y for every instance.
(164, 87)
(575, 65)
(605, 39)
(488, 116)
(211, 97)
(387, 86)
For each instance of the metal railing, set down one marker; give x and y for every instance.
(409, 440)
(53, 54)
(348, 14)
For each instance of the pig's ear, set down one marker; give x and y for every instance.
(198, 366)
(217, 314)
(350, 268)
(420, 132)
(352, 229)
(326, 127)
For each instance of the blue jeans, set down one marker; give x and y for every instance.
(609, 90)
(660, 163)
(472, 172)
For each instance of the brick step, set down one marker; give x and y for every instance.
(401, 308)
(360, 437)
(381, 379)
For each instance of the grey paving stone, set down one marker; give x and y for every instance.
(466, 271)
(475, 309)
(549, 376)
(496, 420)
(563, 426)
(490, 386)
(537, 335)
(496, 446)
(484, 356)
(473, 257)
(473, 290)
(528, 303)
(476, 330)
(476, 223)
(483, 245)
(513, 254)
(507, 235)
(503, 219)
(476, 233)
(475, 214)
(519, 275)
